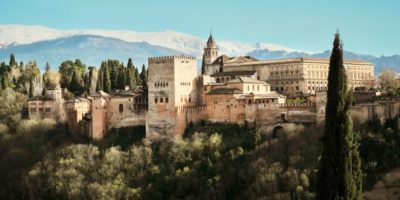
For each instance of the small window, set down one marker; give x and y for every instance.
(47, 110)
(161, 100)
(156, 100)
(121, 108)
(166, 99)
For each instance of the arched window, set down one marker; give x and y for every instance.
(121, 108)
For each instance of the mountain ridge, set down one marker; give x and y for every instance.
(24, 42)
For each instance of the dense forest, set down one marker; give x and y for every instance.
(42, 160)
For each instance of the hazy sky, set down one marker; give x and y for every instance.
(367, 26)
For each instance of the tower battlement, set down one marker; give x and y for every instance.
(169, 59)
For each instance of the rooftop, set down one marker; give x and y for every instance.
(234, 73)
(227, 60)
(225, 91)
(246, 80)
(101, 94)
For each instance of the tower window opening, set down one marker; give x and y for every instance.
(121, 108)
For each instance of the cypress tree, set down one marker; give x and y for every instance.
(75, 87)
(143, 77)
(130, 75)
(203, 66)
(48, 67)
(106, 78)
(12, 62)
(137, 77)
(121, 78)
(339, 174)
(100, 78)
(5, 82)
(30, 92)
(113, 64)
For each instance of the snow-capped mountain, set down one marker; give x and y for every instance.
(91, 49)
(45, 44)
(20, 34)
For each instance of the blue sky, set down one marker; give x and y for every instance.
(367, 26)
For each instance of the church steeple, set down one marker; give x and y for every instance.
(210, 51)
(210, 42)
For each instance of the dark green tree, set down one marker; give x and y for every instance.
(114, 65)
(31, 88)
(137, 75)
(100, 78)
(12, 62)
(67, 68)
(5, 82)
(143, 77)
(121, 78)
(21, 66)
(203, 66)
(339, 174)
(48, 67)
(106, 78)
(130, 75)
(75, 86)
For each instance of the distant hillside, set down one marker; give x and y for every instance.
(89, 48)
(45, 44)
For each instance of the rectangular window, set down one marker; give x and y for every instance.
(33, 109)
(47, 110)
(156, 100)
(40, 109)
(166, 99)
(161, 100)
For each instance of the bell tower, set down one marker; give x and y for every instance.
(210, 51)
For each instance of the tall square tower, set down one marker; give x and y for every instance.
(171, 84)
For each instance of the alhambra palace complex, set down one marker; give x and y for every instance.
(230, 90)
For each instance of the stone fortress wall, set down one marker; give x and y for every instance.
(251, 90)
